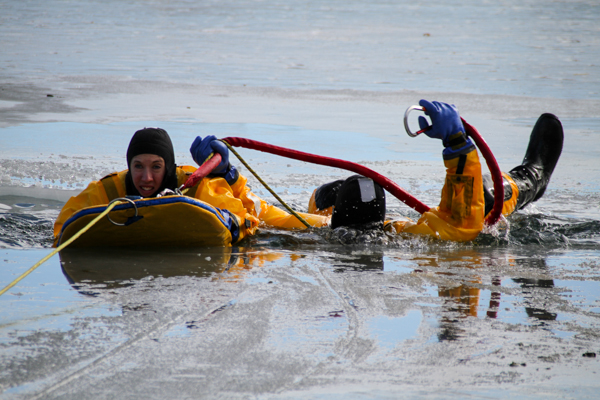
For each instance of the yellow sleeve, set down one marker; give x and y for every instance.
(93, 195)
(276, 217)
(239, 199)
(270, 214)
(460, 214)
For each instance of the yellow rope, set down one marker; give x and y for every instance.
(294, 213)
(62, 246)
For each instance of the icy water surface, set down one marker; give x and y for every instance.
(318, 314)
(302, 314)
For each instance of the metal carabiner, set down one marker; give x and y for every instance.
(408, 110)
(169, 192)
(122, 199)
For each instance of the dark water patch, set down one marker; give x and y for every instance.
(536, 229)
(323, 239)
(25, 231)
(584, 232)
(280, 239)
(351, 236)
(27, 222)
(546, 231)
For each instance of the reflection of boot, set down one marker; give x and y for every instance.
(545, 146)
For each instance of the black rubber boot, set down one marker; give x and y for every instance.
(545, 146)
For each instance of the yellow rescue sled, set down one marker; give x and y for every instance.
(170, 221)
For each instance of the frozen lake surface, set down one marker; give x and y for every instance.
(317, 314)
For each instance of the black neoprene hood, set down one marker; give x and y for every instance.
(151, 141)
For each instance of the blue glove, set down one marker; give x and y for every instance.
(445, 125)
(444, 118)
(202, 148)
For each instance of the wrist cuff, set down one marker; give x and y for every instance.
(456, 145)
(231, 175)
(456, 140)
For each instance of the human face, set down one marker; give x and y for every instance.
(147, 172)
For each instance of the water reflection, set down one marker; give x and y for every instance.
(119, 267)
(359, 262)
(90, 270)
(462, 301)
(480, 284)
(469, 282)
(537, 301)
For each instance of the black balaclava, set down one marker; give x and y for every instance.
(152, 141)
(360, 204)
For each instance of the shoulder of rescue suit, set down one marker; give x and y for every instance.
(229, 192)
(460, 214)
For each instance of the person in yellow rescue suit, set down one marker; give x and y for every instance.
(356, 202)
(152, 172)
(467, 196)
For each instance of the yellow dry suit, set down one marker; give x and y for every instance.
(235, 197)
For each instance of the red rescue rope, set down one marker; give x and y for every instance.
(386, 183)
